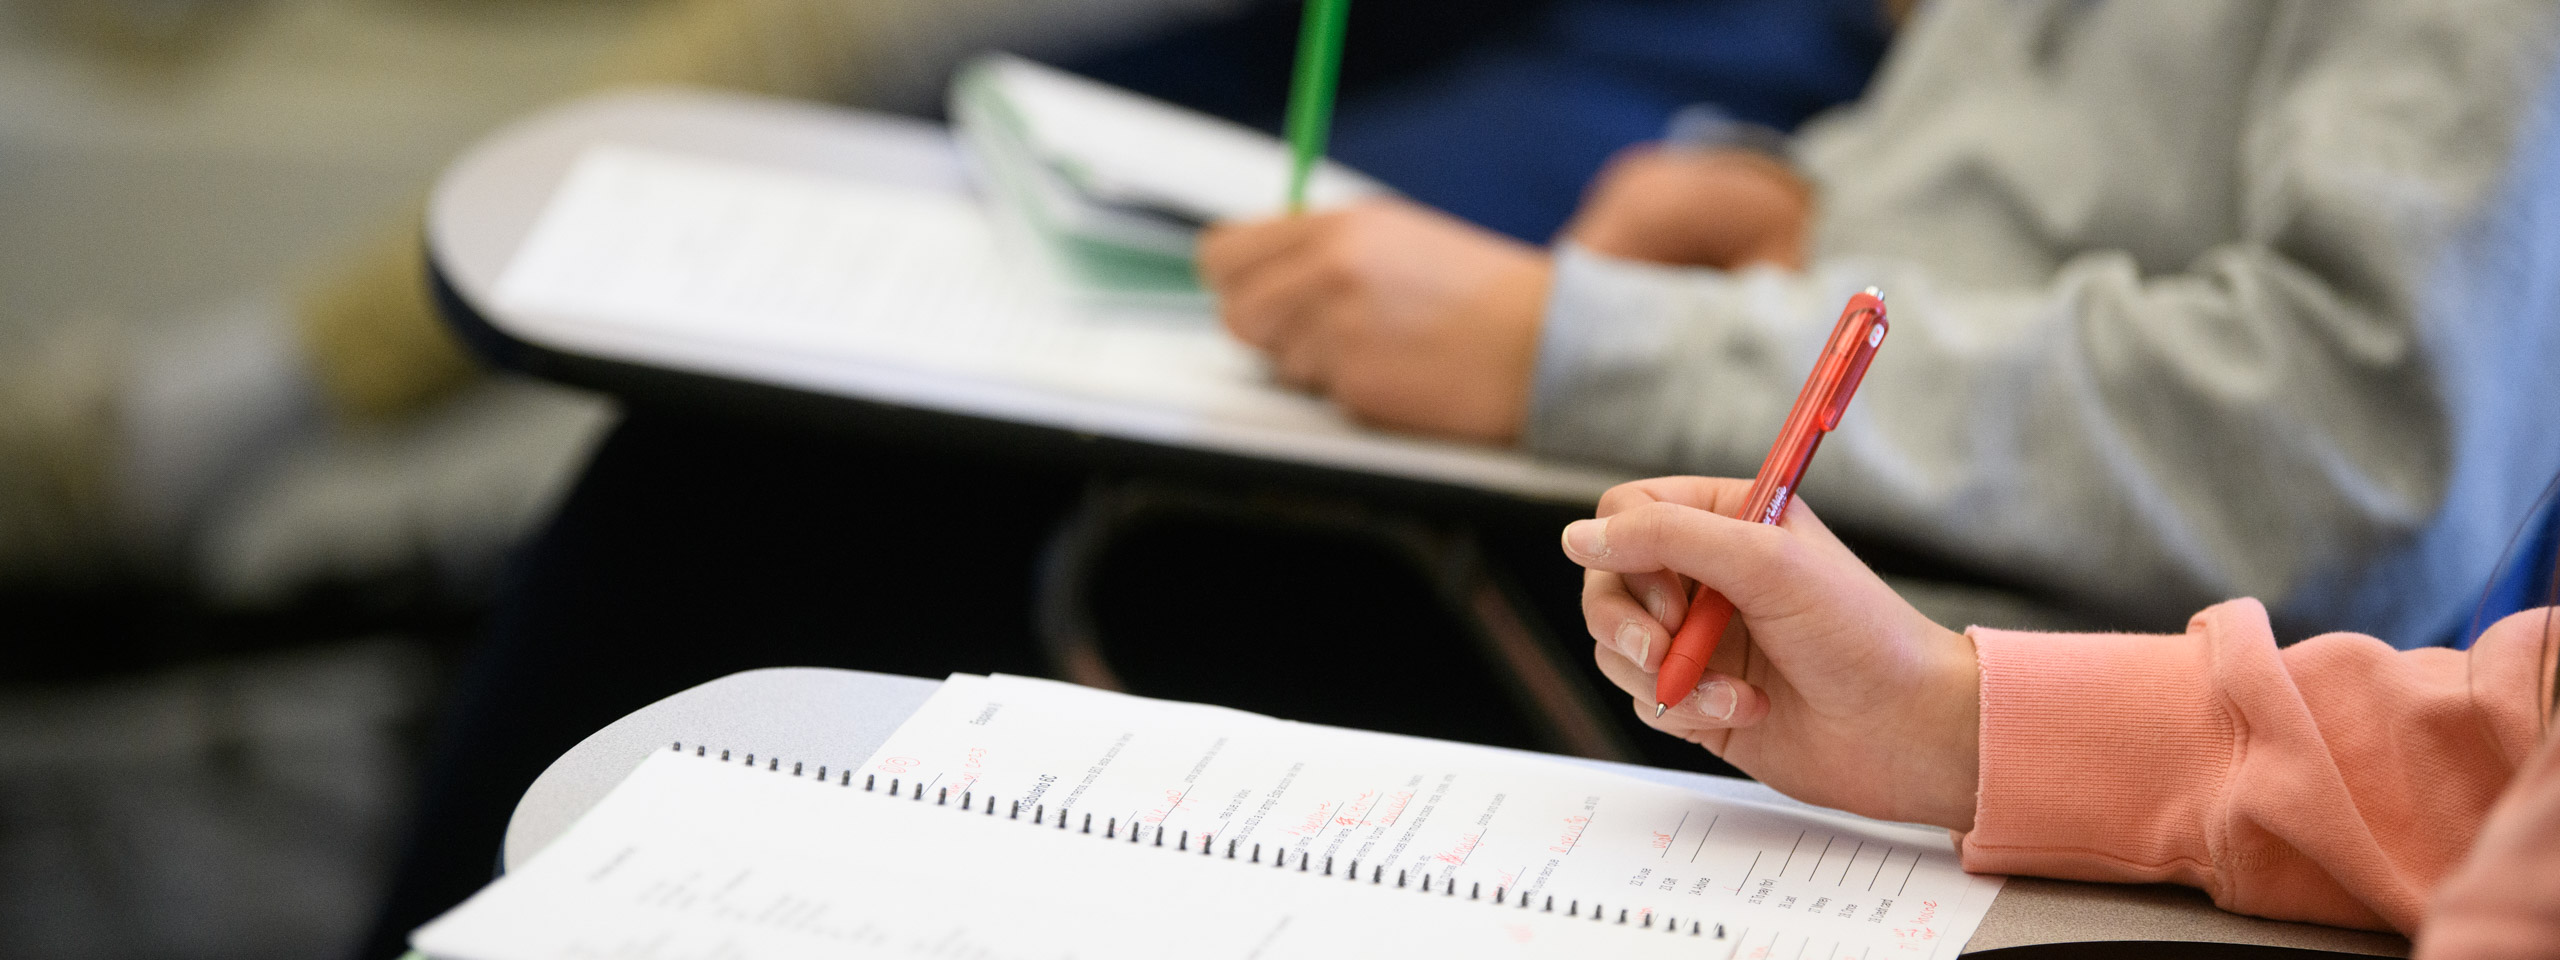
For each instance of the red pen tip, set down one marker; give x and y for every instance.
(1658, 707)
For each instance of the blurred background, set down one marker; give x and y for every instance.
(232, 591)
(213, 762)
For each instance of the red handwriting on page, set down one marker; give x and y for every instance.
(1314, 822)
(1457, 855)
(1573, 827)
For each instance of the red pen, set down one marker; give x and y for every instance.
(1818, 407)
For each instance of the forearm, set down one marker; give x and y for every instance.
(2335, 781)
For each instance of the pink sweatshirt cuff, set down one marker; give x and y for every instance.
(2103, 756)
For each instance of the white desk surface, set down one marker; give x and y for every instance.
(838, 717)
(489, 201)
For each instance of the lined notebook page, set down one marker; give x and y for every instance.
(697, 858)
(1783, 880)
(1018, 818)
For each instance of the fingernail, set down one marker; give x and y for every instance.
(1658, 603)
(1589, 538)
(1715, 699)
(1634, 641)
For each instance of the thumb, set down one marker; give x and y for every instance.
(1722, 701)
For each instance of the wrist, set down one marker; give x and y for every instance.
(1950, 728)
(1518, 307)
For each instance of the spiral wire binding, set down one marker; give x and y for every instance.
(1279, 858)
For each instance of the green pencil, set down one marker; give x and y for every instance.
(1311, 91)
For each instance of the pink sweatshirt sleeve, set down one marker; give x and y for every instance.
(2336, 781)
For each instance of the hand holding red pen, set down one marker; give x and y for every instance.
(1837, 371)
(1828, 687)
(1649, 531)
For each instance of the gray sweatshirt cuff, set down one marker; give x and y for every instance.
(1626, 358)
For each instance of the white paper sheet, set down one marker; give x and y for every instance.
(720, 251)
(1784, 881)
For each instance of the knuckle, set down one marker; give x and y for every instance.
(1621, 498)
(1778, 554)
(1252, 322)
(1640, 531)
(1337, 269)
(1339, 253)
(1600, 595)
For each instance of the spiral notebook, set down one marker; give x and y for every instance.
(1023, 818)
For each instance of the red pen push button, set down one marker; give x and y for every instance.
(1862, 351)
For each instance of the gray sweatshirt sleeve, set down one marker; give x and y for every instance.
(2302, 412)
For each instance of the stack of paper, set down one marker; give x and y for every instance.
(1115, 187)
